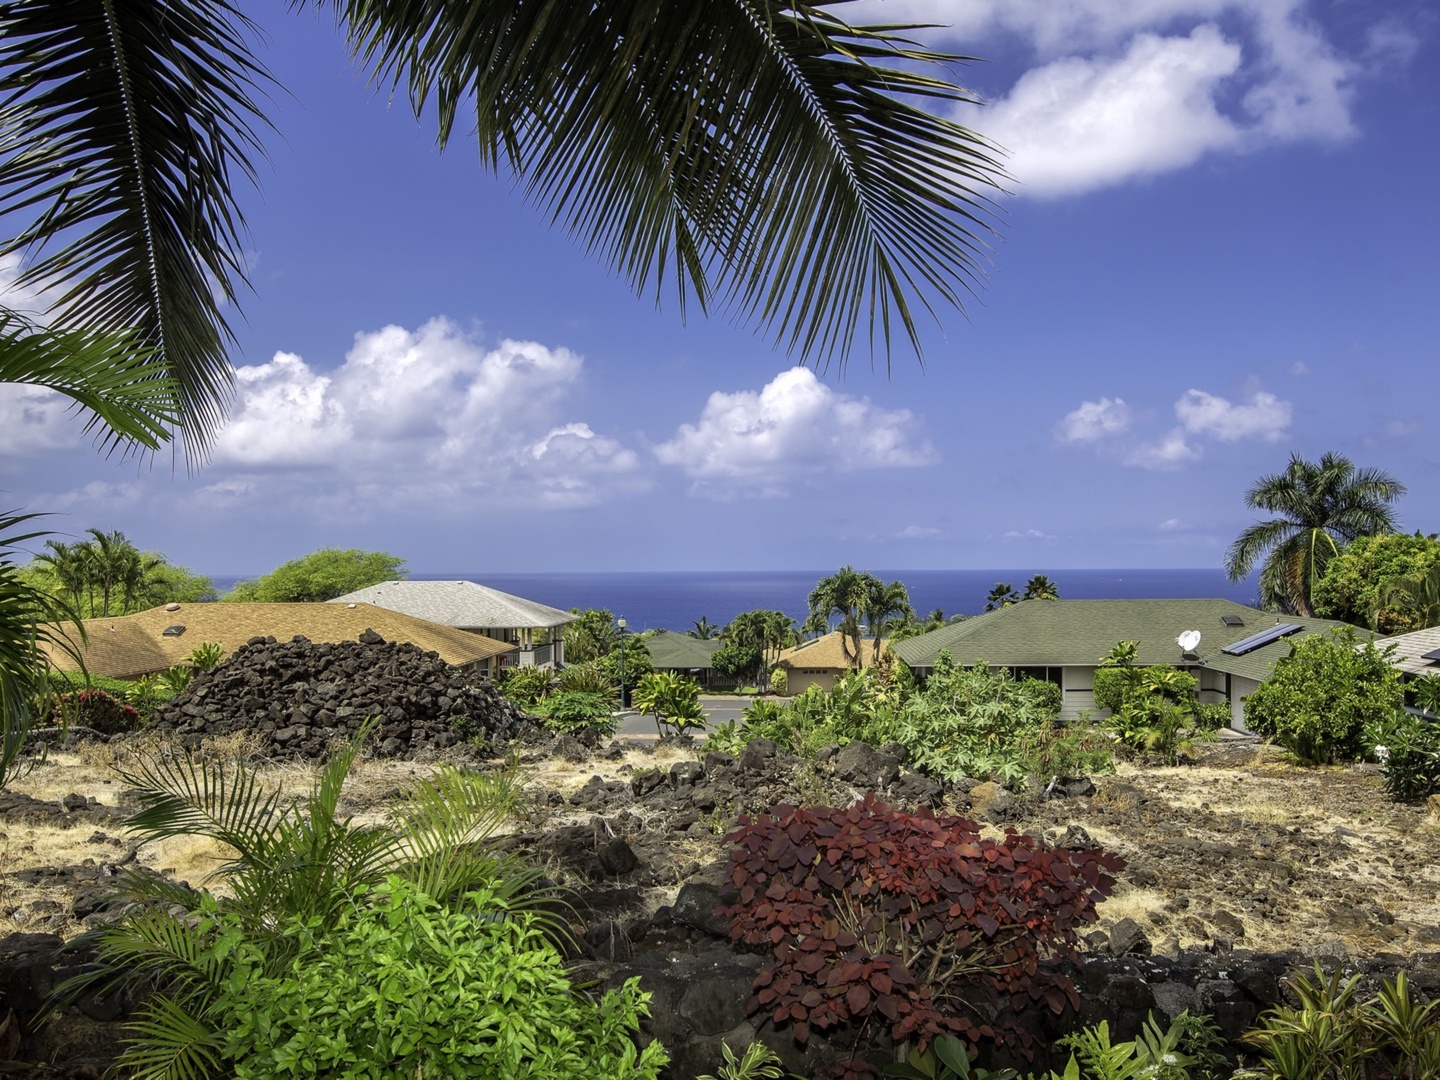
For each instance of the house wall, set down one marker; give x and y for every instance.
(1240, 689)
(1077, 690)
(801, 679)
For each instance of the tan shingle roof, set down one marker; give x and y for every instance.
(1410, 650)
(128, 646)
(828, 653)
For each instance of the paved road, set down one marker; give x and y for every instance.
(718, 709)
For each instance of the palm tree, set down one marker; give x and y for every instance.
(1041, 587)
(1322, 506)
(841, 596)
(704, 629)
(1002, 595)
(882, 601)
(1417, 595)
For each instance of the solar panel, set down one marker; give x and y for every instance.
(1433, 654)
(1263, 638)
(1232, 620)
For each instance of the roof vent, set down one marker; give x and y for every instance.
(349, 605)
(172, 607)
(173, 631)
(1232, 620)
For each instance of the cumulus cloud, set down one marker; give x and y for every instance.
(34, 420)
(1094, 420)
(1120, 89)
(1264, 416)
(795, 427)
(420, 416)
(1169, 452)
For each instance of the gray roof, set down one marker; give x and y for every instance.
(677, 651)
(1410, 650)
(1061, 633)
(465, 604)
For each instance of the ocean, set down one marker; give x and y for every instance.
(674, 601)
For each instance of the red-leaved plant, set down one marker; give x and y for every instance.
(912, 919)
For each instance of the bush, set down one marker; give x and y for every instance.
(1408, 750)
(400, 987)
(911, 920)
(1321, 697)
(525, 685)
(578, 710)
(780, 681)
(95, 709)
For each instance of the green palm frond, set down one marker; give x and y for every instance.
(168, 1042)
(767, 157)
(123, 127)
(111, 376)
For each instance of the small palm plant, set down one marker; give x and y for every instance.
(292, 859)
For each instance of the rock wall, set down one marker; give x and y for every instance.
(300, 697)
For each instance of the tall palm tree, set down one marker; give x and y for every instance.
(1322, 506)
(838, 600)
(704, 629)
(1002, 595)
(882, 601)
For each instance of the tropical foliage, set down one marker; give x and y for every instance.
(107, 575)
(1321, 697)
(322, 575)
(1154, 711)
(590, 636)
(848, 600)
(1355, 583)
(753, 641)
(1041, 587)
(1002, 595)
(1322, 507)
(294, 863)
(1414, 597)
(672, 699)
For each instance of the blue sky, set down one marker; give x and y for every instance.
(1220, 250)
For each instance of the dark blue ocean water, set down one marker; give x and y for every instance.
(676, 600)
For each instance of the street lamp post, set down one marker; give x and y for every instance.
(620, 622)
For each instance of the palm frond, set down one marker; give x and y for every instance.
(168, 1042)
(767, 157)
(111, 376)
(123, 127)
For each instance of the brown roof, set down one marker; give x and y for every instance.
(828, 653)
(128, 646)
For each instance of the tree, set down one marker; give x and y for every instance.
(589, 637)
(1323, 506)
(763, 631)
(1416, 597)
(108, 575)
(882, 601)
(321, 575)
(673, 699)
(704, 629)
(1041, 587)
(839, 599)
(1322, 696)
(1355, 581)
(1001, 596)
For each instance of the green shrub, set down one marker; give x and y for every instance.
(401, 987)
(95, 709)
(525, 685)
(578, 710)
(1333, 1033)
(1188, 1049)
(1408, 750)
(780, 681)
(1044, 695)
(591, 679)
(1321, 697)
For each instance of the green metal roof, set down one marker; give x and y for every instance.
(1062, 633)
(680, 651)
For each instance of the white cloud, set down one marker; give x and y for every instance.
(916, 532)
(34, 420)
(1078, 124)
(1120, 89)
(429, 415)
(1170, 525)
(1030, 534)
(1169, 452)
(1264, 417)
(795, 427)
(1094, 420)
(1299, 369)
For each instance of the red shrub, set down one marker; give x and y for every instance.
(912, 918)
(96, 709)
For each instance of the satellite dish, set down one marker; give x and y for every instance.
(1188, 640)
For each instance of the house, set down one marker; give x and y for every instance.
(1417, 655)
(132, 646)
(530, 629)
(684, 655)
(822, 661)
(1063, 640)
